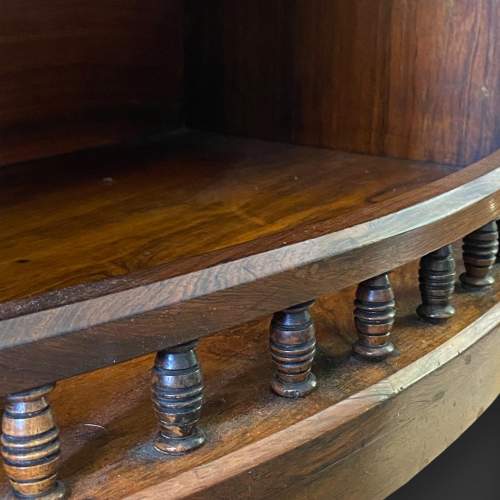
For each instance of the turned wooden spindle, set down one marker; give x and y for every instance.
(437, 283)
(480, 250)
(293, 345)
(31, 446)
(498, 239)
(374, 315)
(177, 398)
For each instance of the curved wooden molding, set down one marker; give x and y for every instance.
(146, 316)
(392, 429)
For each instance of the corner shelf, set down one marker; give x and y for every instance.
(121, 252)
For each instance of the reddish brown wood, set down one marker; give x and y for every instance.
(378, 425)
(248, 252)
(480, 249)
(374, 316)
(108, 427)
(412, 79)
(498, 229)
(177, 398)
(77, 74)
(437, 283)
(123, 193)
(30, 445)
(293, 345)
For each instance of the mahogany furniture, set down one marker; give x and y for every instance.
(232, 175)
(374, 316)
(437, 284)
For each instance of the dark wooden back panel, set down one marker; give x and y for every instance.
(416, 79)
(76, 73)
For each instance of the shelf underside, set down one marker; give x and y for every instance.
(403, 419)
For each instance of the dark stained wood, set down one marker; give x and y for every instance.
(177, 398)
(480, 249)
(31, 446)
(293, 345)
(498, 229)
(406, 78)
(374, 317)
(76, 74)
(251, 248)
(108, 428)
(437, 282)
(142, 208)
(399, 424)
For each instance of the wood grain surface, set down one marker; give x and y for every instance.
(368, 223)
(407, 78)
(79, 219)
(77, 74)
(108, 427)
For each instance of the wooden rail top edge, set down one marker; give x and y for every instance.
(302, 233)
(327, 421)
(237, 273)
(121, 325)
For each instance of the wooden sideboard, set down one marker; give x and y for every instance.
(277, 220)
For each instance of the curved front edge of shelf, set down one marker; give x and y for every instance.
(165, 313)
(369, 444)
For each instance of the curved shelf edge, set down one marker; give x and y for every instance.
(369, 444)
(118, 326)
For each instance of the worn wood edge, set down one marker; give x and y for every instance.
(151, 317)
(162, 294)
(331, 420)
(298, 234)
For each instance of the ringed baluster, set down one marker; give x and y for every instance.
(293, 345)
(437, 284)
(177, 392)
(480, 250)
(31, 446)
(374, 313)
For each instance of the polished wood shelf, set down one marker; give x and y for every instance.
(78, 220)
(142, 248)
(173, 170)
(398, 414)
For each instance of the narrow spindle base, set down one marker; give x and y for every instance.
(294, 390)
(373, 353)
(293, 345)
(177, 398)
(180, 445)
(31, 446)
(374, 316)
(58, 492)
(435, 313)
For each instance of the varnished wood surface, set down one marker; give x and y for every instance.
(389, 431)
(407, 78)
(304, 223)
(76, 74)
(83, 218)
(31, 445)
(108, 427)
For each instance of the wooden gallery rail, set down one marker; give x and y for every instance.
(58, 317)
